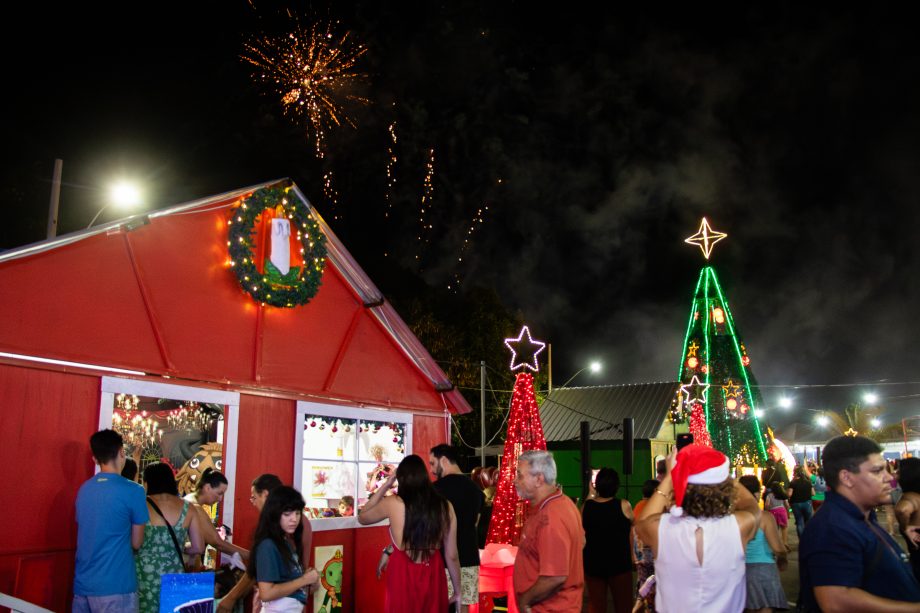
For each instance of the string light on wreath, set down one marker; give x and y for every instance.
(273, 285)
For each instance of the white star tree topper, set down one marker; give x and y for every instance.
(522, 348)
(699, 391)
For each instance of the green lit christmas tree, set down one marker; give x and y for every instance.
(719, 395)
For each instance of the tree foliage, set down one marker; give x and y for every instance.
(460, 331)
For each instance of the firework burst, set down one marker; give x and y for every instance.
(313, 73)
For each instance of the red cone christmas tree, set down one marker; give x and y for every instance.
(525, 433)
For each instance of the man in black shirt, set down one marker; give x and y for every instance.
(467, 500)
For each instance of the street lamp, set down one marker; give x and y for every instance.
(870, 398)
(823, 421)
(123, 195)
(876, 423)
(785, 402)
(594, 367)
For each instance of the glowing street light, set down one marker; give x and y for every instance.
(870, 398)
(594, 367)
(758, 413)
(785, 402)
(876, 423)
(123, 195)
(823, 420)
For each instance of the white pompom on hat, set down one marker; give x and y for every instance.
(699, 465)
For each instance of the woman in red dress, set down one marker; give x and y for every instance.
(422, 523)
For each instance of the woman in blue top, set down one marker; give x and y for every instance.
(764, 555)
(276, 561)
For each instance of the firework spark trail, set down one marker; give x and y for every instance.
(425, 225)
(391, 174)
(475, 223)
(310, 70)
(331, 194)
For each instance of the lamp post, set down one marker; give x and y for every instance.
(122, 195)
(594, 367)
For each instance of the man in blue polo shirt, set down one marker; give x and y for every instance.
(847, 562)
(111, 513)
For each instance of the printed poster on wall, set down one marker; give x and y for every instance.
(329, 564)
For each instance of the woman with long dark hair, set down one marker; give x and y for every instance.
(422, 523)
(277, 560)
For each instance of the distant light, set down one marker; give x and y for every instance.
(758, 413)
(876, 423)
(595, 367)
(125, 194)
(870, 398)
(785, 402)
(823, 421)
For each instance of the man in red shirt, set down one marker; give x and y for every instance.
(548, 572)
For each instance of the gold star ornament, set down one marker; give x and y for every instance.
(705, 238)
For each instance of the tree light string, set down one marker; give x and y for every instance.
(525, 433)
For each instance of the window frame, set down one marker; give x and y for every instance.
(110, 386)
(304, 408)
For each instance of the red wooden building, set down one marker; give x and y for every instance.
(148, 306)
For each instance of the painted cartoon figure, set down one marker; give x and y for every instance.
(209, 455)
(331, 578)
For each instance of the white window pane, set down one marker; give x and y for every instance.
(330, 438)
(381, 441)
(324, 484)
(370, 476)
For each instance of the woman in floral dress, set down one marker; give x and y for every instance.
(158, 555)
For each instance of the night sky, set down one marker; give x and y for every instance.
(598, 139)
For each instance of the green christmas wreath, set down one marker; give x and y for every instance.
(299, 285)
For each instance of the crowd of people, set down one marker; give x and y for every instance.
(130, 536)
(698, 540)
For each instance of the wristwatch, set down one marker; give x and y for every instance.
(387, 550)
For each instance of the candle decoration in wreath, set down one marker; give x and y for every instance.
(276, 248)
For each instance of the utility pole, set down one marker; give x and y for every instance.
(55, 199)
(482, 412)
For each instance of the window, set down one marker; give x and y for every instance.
(191, 428)
(344, 452)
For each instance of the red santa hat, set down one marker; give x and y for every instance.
(699, 465)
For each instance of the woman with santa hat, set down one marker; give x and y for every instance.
(699, 545)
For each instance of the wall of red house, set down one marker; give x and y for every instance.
(46, 418)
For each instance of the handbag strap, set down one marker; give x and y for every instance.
(172, 532)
